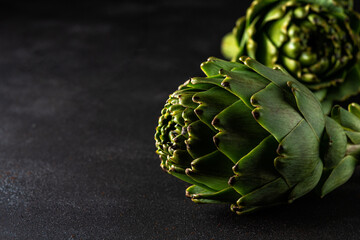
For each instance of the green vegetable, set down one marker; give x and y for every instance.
(316, 41)
(253, 137)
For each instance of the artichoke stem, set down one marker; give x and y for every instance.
(354, 150)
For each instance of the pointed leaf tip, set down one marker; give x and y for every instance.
(254, 102)
(225, 84)
(243, 58)
(354, 108)
(354, 105)
(211, 59)
(232, 181)
(255, 113)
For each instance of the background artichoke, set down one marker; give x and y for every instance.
(316, 41)
(251, 136)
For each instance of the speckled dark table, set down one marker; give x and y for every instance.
(81, 87)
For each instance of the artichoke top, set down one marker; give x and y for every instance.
(251, 136)
(316, 41)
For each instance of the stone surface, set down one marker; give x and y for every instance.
(81, 88)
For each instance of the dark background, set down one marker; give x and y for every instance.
(81, 88)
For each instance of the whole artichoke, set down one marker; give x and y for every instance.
(316, 41)
(250, 136)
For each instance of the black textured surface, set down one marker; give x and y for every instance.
(81, 88)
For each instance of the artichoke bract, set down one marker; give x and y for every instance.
(250, 136)
(345, 3)
(316, 41)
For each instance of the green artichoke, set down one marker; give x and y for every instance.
(316, 41)
(251, 136)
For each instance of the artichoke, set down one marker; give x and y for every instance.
(251, 136)
(316, 41)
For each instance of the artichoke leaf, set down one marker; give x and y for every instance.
(308, 107)
(266, 51)
(201, 195)
(238, 132)
(213, 65)
(182, 176)
(256, 168)
(212, 102)
(308, 184)
(298, 150)
(277, 30)
(334, 143)
(339, 175)
(256, 7)
(274, 112)
(269, 194)
(353, 136)
(205, 170)
(346, 119)
(204, 83)
(244, 84)
(200, 140)
(354, 108)
(276, 12)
